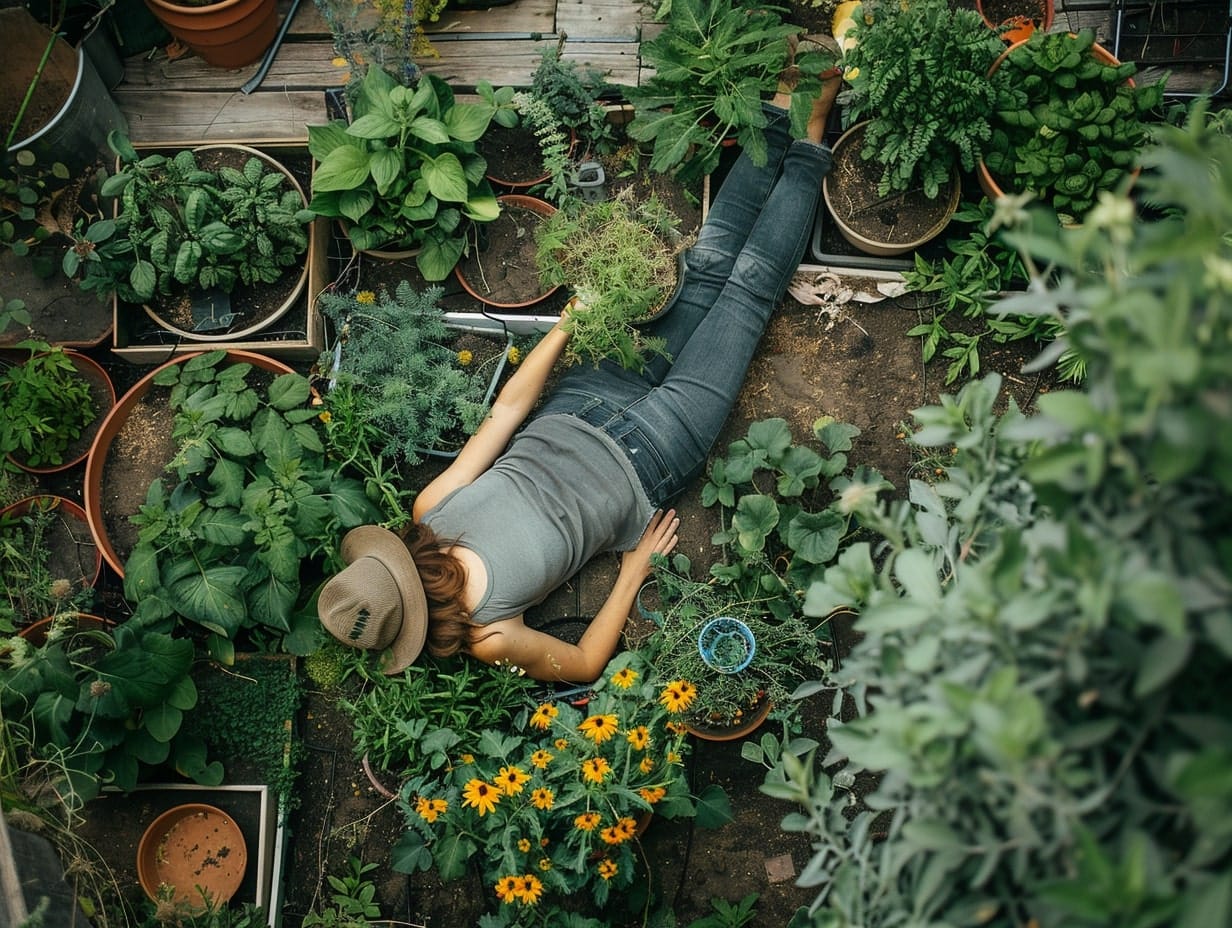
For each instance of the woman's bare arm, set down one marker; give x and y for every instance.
(546, 658)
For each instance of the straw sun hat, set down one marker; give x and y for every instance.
(377, 602)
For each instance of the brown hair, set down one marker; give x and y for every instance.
(444, 582)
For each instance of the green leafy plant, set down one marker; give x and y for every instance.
(352, 904)
(247, 499)
(45, 405)
(408, 387)
(183, 227)
(29, 193)
(787, 651)
(573, 94)
(980, 268)
(95, 704)
(779, 524)
(728, 915)
(620, 258)
(919, 73)
(712, 63)
(554, 813)
(405, 172)
(13, 311)
(1046, 629)
(414, 723)
(1068, 124)
(28, 577)
(536, 114)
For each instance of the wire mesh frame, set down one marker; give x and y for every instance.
(1160, 11)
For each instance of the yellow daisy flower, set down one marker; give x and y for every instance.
(545, 864)
(652, 794)
(677, 728)
(510, 779)
(542, 798)
(542, 719)
(504, 889)
(468, 758)
(524, 845)
(678, 695)
(598, 728)
(541, 759)
(430, 809)
(624, 677)
(365, 297)
(647, 764)
(587, 821)
(465, 358)
(612, 835)
(561, 743)
(532, 889)
(638, 737)
(595, 769)
(325, 417)
(480, 796)
(673, 757)
(627, 827)
(607, 869)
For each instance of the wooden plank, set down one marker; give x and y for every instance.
(605, 20)
(159, 115)
(523, 17)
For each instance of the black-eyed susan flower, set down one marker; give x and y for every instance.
(524, 845)
(542, 798)
(678, 695)
(511, 779)
(624, 677)
(545, 864)
(613, 835)
(638, 737)
(542, 719)
(594, 769)
(430, 809)
(627, 827)
(652, 794)
(647, 764)
(541, 758)
(504, 889)
(531, 889)
(587, 821)
(480, 796)
(608, 869)
(365, 297)
(561, 743)
(676, 728)
(599, 728)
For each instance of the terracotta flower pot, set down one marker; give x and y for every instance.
(36, 633)
(90, 564)
(1021, 25)
(92, 486)
(841, 194)
(750, 721)
(228, 34)
(91, 371)
(989, 184)
(468, 276)
(196, 849)
(502, 175)
(292, 298)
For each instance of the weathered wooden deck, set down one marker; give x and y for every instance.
(187, 99)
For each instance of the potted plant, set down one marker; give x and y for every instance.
(241, 496)
(404, 381)
(189, 229)
(51, 404)
(223, 33)
(1070, 122)
(918, 109)
(405, 173)
(498, 266)
(54, 102)
(556, 811)
(623, 260)
(49, 564)
(744, 659)
(99, 702)
(573, 95)
(713, 62)
(533, 149)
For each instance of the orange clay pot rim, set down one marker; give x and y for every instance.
(536, 205)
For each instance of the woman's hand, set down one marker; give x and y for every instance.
(659, 538)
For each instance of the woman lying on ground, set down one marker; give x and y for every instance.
(526, 504)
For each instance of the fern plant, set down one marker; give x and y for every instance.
(919, 74)
(399, 379)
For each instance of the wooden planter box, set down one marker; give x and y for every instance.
(297, 335)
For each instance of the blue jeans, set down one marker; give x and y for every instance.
(667, 417)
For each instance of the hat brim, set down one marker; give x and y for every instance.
(391, 551)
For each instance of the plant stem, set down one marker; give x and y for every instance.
(38, 73)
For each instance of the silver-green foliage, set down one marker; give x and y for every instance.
(1047, 632)
(399, 363)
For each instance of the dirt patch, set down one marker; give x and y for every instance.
(501, 269)
(513, 156)
(138, 453)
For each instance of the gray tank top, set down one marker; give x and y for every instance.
(561, 493)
